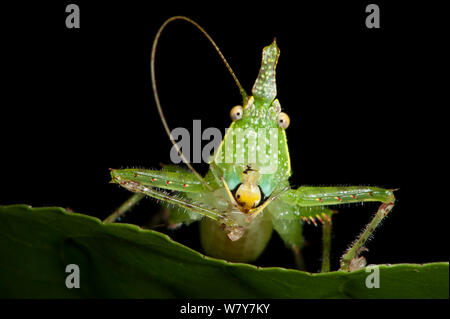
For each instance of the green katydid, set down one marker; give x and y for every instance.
(243, 198)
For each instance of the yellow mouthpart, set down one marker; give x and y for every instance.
(248, 196)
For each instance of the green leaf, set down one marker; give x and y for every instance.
(124, 261)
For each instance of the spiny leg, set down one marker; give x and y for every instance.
(350, 260)
(318, 196)
(322, 215)
(171, 177)
(141, 181)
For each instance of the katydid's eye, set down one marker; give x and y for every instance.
(236, 113)
(283, 120)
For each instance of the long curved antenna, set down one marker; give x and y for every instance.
(155, 90)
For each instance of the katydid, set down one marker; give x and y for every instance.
(245, 195)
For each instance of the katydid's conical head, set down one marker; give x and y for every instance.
(265, 87)
(255, 143)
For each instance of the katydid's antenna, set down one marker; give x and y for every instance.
(155, 90)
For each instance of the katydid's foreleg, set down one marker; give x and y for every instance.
(149, 182)
(172, 177)
(318, 196)
(182, 181)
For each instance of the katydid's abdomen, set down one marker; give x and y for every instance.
(248, 248)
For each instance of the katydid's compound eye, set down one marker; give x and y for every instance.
(283, 120)
(236, 113)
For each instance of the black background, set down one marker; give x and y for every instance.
(78, 101)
